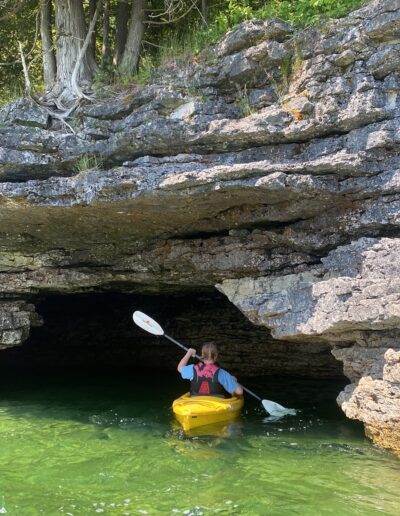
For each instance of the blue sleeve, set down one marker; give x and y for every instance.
(227, 381)
(187, 372)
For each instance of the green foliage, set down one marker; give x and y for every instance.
(100, 83)
(20, 26)
(296, 12)
(87, 162)
(11, 91)
(243, 102)
(236, 12)
(306, 12)
(173, 46)
(144, 74)
(177, 46)
(286, 70)
(180, 47)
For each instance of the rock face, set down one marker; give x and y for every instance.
(375, 397)
(355, 289)
(16, 319)
(352, 301)
(268, 166)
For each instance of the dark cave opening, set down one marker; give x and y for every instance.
(93, 331)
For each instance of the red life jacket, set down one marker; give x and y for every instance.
(205, 381)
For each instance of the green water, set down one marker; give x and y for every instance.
(102, 444)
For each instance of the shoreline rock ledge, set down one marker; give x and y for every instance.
(352, 303)
(268, 168)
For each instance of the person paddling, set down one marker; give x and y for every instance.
(206, 377)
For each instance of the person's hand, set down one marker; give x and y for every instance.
(191, 352)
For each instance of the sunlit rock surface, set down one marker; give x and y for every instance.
(352, 301)
(268, 166)
(375, 398)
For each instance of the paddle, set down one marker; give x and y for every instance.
(150, 325)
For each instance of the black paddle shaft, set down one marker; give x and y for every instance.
(199, 358)
(179, 344)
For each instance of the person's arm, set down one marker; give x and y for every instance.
(230, 383)
(239, 390)
(189, 353)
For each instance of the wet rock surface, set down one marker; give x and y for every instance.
(268, 166)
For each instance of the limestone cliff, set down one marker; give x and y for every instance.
(268, 167)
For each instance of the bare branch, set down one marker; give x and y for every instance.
(170, 9)
(172, 20)
(153, 44)
(28, 85)
(205, 24)
(11, 63)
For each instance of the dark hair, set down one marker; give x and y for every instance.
(209, 351)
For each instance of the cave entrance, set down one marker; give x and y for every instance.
(96, 330)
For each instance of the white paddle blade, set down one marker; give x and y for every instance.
(147, 323)
(276, 410)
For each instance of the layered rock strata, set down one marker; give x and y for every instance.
(268, 166)
(374, 397)
(352, 301)
(16, 320)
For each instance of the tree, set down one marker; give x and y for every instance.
(121, 29)
(92, 44)
(69, 37)
(75, 66)
(204, 11)
(106, 47)
(49, 60)
(133, 46)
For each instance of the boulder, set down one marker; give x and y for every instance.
(24, 112)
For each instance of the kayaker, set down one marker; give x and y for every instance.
(206, 377)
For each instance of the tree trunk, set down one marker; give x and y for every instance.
(92, 44)
(131, 56)
(204, 11)
(121, 30)
(49, 60)
(71, 33)
(106, 49)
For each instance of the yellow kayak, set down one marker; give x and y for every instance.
(195, 411)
